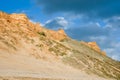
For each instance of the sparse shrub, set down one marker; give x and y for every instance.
(42, 33)
(48, 43)
(32, 41)
(51, 49)
(10, 45)
(17, 24)
(5, 79)
(63, 40)
(62, 54)
(39, 45)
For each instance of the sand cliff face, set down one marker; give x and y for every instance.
(29, 50)
(57, 35)
(21, 17)
(94, 46)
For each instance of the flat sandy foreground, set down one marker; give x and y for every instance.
(25, 78)
(33, 78)
(24, 67)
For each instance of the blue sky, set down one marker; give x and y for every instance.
(88, 20)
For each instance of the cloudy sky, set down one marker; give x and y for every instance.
(88, 20)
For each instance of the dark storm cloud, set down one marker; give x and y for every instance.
(93, 8)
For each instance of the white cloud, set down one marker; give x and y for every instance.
(113, 22)
(62, 21)
(98, 24)
(33, 21)
(115, 57)
(48, 21)
(57, 23)
(113, 52)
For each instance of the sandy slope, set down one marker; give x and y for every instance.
(21, 65)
